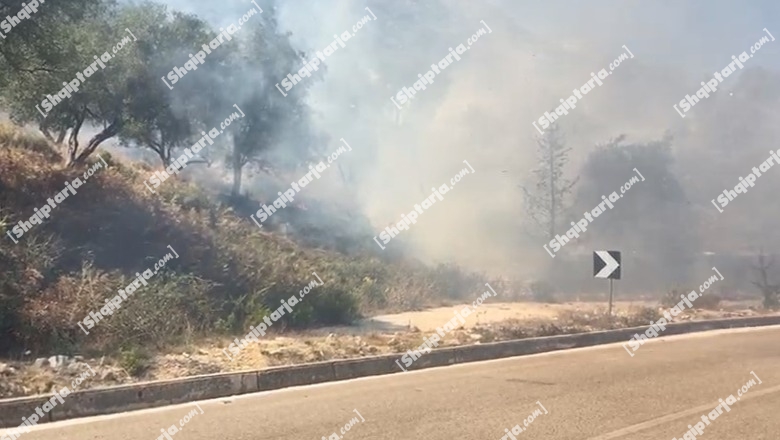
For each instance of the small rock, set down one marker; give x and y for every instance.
(40, 362)
(108, 376)
(3, 367)
(58, 361)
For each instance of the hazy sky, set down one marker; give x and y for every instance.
(481, 107)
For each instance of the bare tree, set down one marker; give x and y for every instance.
(770, 291)
(545, 202)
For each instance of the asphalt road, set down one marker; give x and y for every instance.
(596, 393)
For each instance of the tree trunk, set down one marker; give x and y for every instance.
(61, 136)
(552, 194)
(163, 153)
(107, 133)
(238, 167)
(46, 133)
(73, 140)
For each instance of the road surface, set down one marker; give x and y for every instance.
(596, 393)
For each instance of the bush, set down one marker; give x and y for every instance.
(672, 297)
(771, 300)
(334, 307)
(26, 266)
(134, 360)
(707, 301)
(323, 305)
(15, 137)
(640, 316)
(455, 283)
(172, 306)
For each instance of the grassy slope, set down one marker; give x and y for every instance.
(227, 275)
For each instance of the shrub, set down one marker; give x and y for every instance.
(670, 298)
(707, 301)
(15, 137)
(172, 305)
(455, 283)
(323, 305)
(134, 360)
(26, 266)
(334, 306)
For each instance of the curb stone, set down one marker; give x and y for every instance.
(211, 386)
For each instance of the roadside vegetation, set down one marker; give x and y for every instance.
(229, 275)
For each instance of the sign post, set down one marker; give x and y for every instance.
(606, 264)
(610, 298)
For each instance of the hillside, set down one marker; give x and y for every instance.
(228, 274)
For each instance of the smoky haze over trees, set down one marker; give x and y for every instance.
(127, 99)
(480, 109)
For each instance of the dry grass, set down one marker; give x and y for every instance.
(229, 273)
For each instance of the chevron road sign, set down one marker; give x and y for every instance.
(606, 264)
